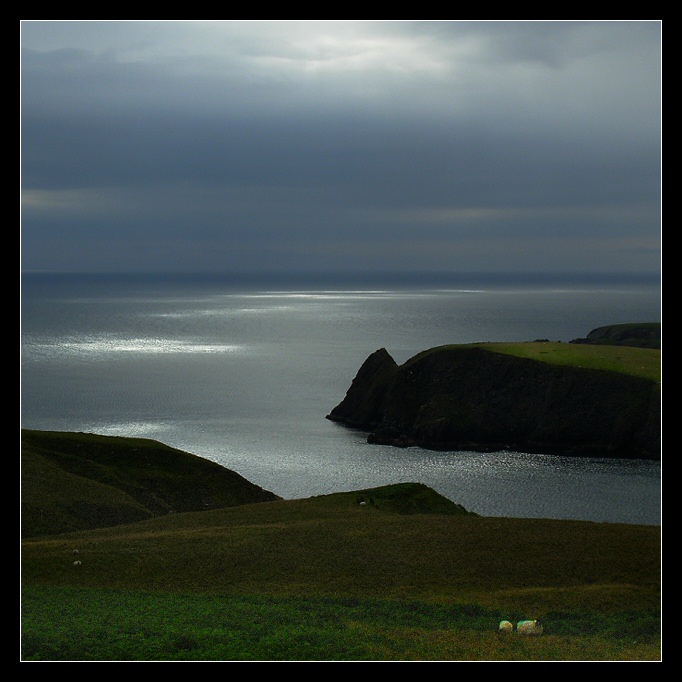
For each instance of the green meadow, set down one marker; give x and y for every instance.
(641, 362)
(404, 576)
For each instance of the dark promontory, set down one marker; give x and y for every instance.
(473, 397)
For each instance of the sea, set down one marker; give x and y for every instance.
(242, 369)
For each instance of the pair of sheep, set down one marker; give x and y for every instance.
(523, 627)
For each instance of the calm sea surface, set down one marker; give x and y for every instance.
(243, 370)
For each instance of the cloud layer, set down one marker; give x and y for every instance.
(210, 146)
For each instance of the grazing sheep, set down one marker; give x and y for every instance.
(76, 563)
(75, 551)
(529, 627)
(505, 627)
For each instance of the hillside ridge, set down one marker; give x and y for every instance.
(75, 481)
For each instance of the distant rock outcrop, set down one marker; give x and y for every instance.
(647, 335)
(367, 394)
(471, 398)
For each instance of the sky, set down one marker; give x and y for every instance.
(363, 146)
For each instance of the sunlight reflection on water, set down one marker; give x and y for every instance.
(246, 377)
(104, 346)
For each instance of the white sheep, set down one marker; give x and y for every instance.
(529, 627)
(75, 551)
(505, 627)
(76, 563)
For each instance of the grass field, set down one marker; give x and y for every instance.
(642, 362)
(639, 362)
(327, 578)
(89, 624)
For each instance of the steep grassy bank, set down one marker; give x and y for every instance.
(72, 481)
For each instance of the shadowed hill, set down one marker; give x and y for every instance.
(76, 481)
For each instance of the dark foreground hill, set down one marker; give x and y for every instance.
(74, 481)
(574, 399)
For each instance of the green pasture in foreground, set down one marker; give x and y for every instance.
(83, 624)
(326, 578)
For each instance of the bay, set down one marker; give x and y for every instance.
(242, 370)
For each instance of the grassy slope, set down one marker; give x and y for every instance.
(639, 362)
(403, 577)
(332, 546)
(72, 481)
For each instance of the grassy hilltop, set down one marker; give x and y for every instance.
(76, 481)
(393, 573)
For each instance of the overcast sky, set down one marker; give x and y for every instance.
(342, 145)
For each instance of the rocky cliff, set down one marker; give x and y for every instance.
(471, 398)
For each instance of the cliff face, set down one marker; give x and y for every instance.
(471, 398)
(364, 402)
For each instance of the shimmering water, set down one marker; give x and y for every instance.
(242, 371)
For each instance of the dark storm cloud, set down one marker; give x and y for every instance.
(258, 144)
